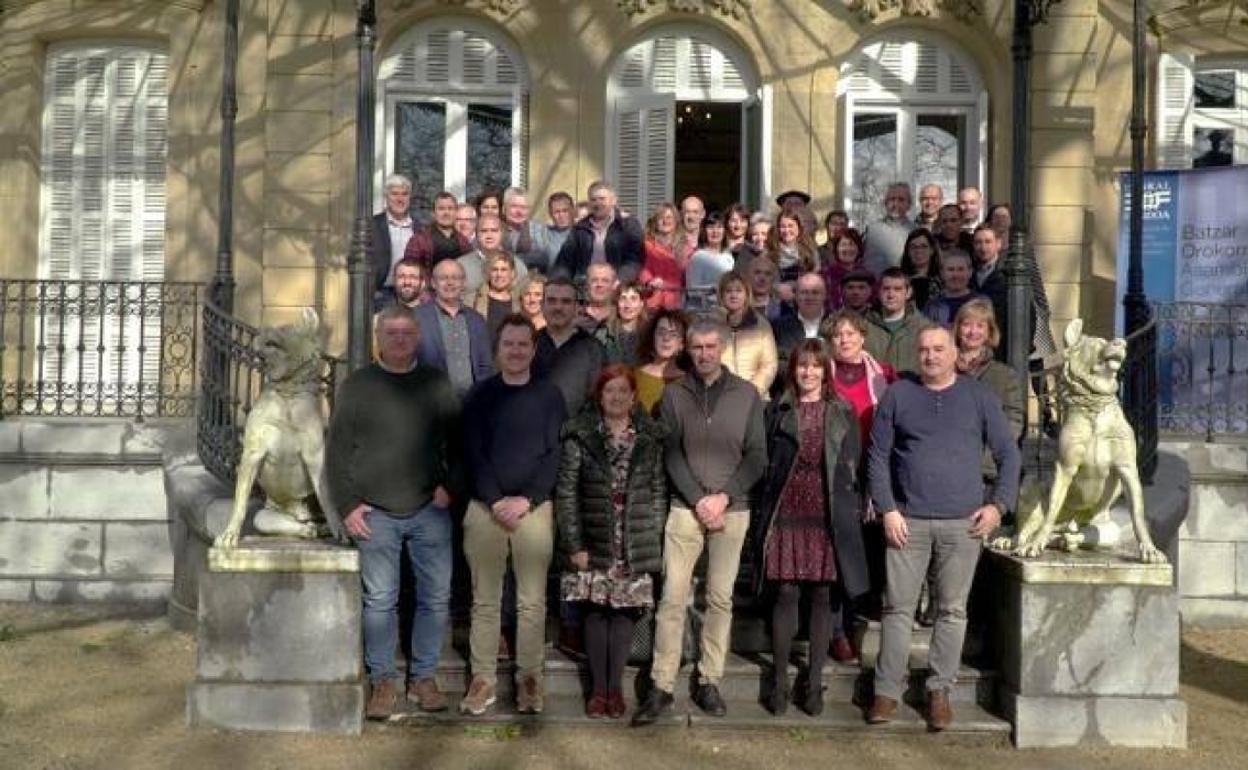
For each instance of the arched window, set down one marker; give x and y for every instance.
(685, 116)
(452, 101)
(915, 111)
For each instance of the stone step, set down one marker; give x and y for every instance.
(969, 719)
(746, 678)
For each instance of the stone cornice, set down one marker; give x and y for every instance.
(495, 6)
(8, 6)
(734, 8)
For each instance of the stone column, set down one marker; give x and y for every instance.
(1088, 648)
(279, 639)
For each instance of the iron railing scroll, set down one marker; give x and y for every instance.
(98, 348)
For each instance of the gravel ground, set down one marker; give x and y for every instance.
(93, 688)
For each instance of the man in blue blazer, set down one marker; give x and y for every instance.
(454, 338)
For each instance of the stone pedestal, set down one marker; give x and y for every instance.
(1088, 649)
(279, 639)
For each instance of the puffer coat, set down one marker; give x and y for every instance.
(583, 508)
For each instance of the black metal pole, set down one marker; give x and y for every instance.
(222, 291)
(361, 293)
(1134, 302)
(1017, 276)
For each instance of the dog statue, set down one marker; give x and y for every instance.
(284, 442)
(1095, 455)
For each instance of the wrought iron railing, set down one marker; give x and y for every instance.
(231, 376)
(98, 348)
(1202, 371)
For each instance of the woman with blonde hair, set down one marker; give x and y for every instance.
(531, 300)
(751, 350)
(499, 295)
(977, 335)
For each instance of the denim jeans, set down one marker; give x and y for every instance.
(426, 539)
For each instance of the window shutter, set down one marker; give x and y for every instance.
(104, 157)
(1175, 82)
(645, 146)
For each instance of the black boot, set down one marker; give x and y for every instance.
(812, 703)
(778, 700)
(657, 703)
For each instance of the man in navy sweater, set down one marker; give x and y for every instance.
(924, 468)
(511, 439)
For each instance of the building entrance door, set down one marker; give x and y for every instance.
(708, 152)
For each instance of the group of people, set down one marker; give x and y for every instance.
(613, 401)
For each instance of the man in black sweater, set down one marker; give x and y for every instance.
(393, 463)
(511, 435)
(567, 355)
(927, 443)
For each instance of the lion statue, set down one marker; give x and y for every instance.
(284, 442)
(1095, 455)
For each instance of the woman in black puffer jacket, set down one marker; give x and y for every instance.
(611, 507)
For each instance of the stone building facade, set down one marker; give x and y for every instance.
(110, 129)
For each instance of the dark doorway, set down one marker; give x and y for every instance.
(708, 152)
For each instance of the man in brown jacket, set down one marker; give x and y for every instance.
(716, 451)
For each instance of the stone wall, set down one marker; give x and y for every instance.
(1213, 541)
(82, 512)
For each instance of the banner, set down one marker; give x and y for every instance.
(1195, 251)
(1195, 236)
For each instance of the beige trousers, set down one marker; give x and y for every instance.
(486, 544)
(683, 541)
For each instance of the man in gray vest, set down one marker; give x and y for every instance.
(716, 451)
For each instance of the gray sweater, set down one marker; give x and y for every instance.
(927, 446)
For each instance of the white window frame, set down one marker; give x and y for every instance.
(908, 107)
(1182, 108)
(456, 95)
(620, 98)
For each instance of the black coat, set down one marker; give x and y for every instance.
(841, 453)
(583, 508)
(622, 245)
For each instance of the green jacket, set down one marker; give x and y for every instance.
(896, 348)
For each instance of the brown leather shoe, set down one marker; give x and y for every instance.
(425, 694)
(881, 711)
(939, 712)
(382, 701)
(530, 699)
(481, 695)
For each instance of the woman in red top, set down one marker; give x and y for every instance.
(661, 273)
(861, 380)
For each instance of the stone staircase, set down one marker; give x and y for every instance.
(746, 679)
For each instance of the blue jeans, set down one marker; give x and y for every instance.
(426, 538)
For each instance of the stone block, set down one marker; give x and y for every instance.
(24, 492)
(295, 248)
(289, 287)
(137, 550)
(73, 438)
(1241, 570)
(1217, 459)
(300, 92)
(301, 173)
(1064, 34)
(1060, 263)
(1214, 613)
(1061, 186)
(1097, 640)
(1059, 225)
(1051, 147)
(302, 132)
(279, 626)
(118, 493)
(1206, 568)
(301, 17)
(296, 210)
(300, 55)
(1217, 512)
(19, 590)
(153, 592)
(50, 548)
(1041, 722)
(295, 707)
(1065, 71)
